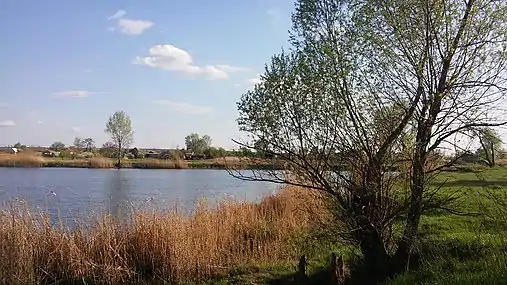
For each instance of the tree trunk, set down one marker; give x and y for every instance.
(375, 257)
(404, 250)
(119, 156)
(493, 162)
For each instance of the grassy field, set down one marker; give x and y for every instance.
(245, 243)
(455, 249)
(35, 160)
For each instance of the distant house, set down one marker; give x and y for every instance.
(9, 150)
(49, 153)
(152, 154)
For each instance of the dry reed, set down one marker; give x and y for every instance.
(21, 160)
(151, 163)
(155, 247)
(100, 162)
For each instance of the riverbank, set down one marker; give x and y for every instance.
(20, 160)
(155, 247)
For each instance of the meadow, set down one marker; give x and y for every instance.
(247, 243)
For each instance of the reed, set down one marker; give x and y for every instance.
(100, 162)
(159, 164)
(21, 160)
(156, 246)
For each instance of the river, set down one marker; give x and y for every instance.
(77, 193)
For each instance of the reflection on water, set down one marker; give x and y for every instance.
(84, 194)
(118, 189)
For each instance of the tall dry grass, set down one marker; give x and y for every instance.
(156, 246)
(100, 162)
(151, 163)
(21, 160)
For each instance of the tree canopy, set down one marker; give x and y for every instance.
(119, 127)
(366, 86)
(197, 144)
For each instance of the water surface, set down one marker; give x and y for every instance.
(70, 192)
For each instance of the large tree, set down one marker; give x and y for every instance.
(371, 85)
(197, 144)
(119, 127)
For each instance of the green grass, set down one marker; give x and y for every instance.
(455, 249)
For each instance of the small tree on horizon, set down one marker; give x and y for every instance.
(119, 127)
(491, 145)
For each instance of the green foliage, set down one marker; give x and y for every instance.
(119, 127)
(18, 145)
(197, 144)
(57, 146)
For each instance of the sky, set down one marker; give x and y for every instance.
(175, 67)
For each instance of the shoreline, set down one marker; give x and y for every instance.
(105, 163)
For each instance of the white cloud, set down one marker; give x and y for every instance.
(87, 71)
(129, 26)
(249, 83)
(73, 94)
(184, 107)
(40, 122)
(172, 58)
(76, 129)
(7, 123)
(134, 27)
(118, 14)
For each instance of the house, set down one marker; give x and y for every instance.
(49, 153)
(9, 150)
(152, 154)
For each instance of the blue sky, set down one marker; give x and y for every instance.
(174, 66)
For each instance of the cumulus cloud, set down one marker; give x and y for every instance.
(172, 58)
(184, 107)
(118, 14)
(73, 94)
(7, 123)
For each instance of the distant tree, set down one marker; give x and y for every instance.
(78, 143)
(135, 152)
(197, 144)
(119, 127)
(108, 149)
(57, 146)
(18, 145)
(89, 144)
(109, 145)
(491, 145)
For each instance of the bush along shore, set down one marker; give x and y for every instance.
(20, 160)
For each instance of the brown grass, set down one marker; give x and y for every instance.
(150, 163)
(21, 160)
(156, 246)
(100, 162)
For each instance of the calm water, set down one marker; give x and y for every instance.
(78, 192)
